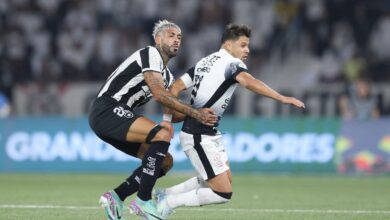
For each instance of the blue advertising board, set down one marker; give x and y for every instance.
(60, 144)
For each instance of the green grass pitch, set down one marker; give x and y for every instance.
(75, 196)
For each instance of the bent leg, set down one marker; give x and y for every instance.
(217, 193)
(167, 163)
(140, 129)
(153, 156)
(131, 184)
(195, 182)
(209, 159)
(138, 132)
(199, 157)
(221, 183)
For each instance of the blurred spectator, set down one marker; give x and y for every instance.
(361, 25)
(380, 43)
(17, 56)
(44, 99)
(354, 67)
(359, 102)
(286, 12)
(314, 19)
(75, 48)
(5, 107)
(380, 48)
(105, 53)
(330, 68)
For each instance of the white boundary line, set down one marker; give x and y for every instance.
(328, 211)
(7, 206)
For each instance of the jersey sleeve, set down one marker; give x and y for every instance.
(151, 60)
(234, 68)
(188, 77)
(171, 79)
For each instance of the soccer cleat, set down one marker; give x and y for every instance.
(145, 209)
(163, 208)
(158, 195)
(112, 205)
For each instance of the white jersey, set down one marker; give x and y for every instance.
(213, 80)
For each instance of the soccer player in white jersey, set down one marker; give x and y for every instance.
(114, 119)
(213, 80)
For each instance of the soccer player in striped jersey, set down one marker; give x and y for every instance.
(114, 119)
(213, 81)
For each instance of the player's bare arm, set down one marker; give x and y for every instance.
(166, 98)
(257, 86)
(177, 87)
(171, 116)
(175, 115)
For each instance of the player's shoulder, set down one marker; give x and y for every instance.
(152, 49)
(150, 59)
(231, 59)
(239, 63)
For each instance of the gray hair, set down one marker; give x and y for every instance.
(162, 25)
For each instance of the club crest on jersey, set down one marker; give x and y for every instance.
(121, 112)
(233, 67)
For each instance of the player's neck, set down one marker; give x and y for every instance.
(226, 49)
(165, 57)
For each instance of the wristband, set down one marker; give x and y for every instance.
(167, 117)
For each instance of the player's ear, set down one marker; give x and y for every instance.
(228, 45)
(157, 39)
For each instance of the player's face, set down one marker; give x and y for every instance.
(170, 41)
(240, 48)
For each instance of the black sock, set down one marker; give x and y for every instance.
(151, 168)
(130, 186)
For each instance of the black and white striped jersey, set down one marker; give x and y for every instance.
(127, 84)
(213, 80)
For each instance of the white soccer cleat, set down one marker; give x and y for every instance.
(163, 208)
(158, 194)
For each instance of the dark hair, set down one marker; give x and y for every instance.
(234, 31)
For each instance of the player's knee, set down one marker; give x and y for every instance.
(223, 197)
(158, 133)
(167, 163)
(162, 135)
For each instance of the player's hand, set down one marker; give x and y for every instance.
(207, 116)
(293, 101)
(168, 125)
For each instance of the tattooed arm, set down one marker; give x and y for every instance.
(177, 87)
(176, 116)
(155, 83)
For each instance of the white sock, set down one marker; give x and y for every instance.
(190, 184)
(195, 197)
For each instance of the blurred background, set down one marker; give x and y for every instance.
(332, 54)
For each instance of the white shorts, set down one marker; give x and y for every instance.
(206, 153)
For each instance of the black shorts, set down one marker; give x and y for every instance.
(111, 120)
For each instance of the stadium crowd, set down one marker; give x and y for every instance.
(46, 41)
